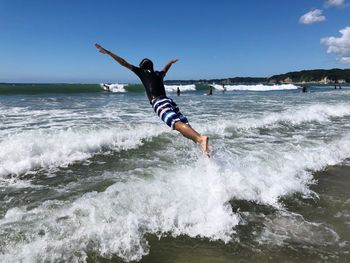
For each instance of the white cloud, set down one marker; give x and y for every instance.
(339, 45)
(312, 17)
(334, 2)
(345, 60)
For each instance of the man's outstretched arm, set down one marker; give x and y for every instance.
(120, 60)
(167, 66)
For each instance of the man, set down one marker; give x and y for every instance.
(106, 87)
(165, 107)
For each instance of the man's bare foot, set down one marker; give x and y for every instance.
(203, 143)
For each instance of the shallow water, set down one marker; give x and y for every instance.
(96, 176)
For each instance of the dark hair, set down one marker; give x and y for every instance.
(146, 64)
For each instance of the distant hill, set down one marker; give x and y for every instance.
(316, 75)
(305, 76)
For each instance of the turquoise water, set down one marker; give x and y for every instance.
(95, 176)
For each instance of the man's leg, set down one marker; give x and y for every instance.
(190, 133)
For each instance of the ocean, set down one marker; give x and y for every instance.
(94, 176)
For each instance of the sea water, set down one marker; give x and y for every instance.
(96, 176)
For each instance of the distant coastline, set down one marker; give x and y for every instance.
(316, 76)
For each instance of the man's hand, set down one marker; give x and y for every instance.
(101, 49)
(167, 66)
(120, 60)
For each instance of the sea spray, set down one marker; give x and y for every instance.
(266, 148)
(321, 113)
(259, 87)
(30, 150)
(173, 88)
(114, 87)
(189, 200)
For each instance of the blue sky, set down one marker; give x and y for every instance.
(53, 40)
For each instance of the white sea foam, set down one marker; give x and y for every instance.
(188, 200)
(309, 113)
(217, 86)
(173, 88)
(298, 231)
(181, 197)
(114, 87)
(319, 113)
(259, 87)
(34, 149)
(116, 223)
(28, 150)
